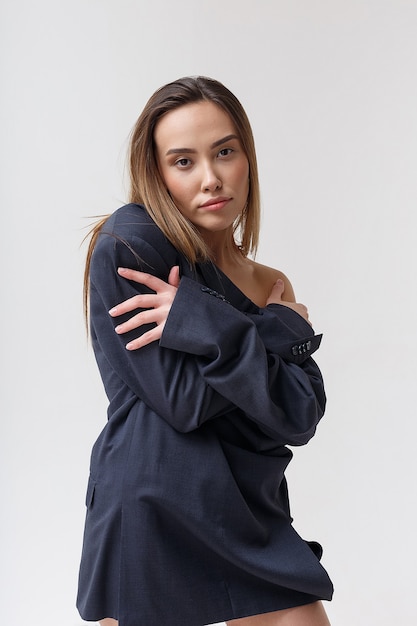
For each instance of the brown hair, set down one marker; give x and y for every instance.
(148, 188)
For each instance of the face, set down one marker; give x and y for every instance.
(203, 165)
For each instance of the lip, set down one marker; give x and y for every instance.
(214, 204)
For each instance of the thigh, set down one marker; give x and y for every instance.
(109, 621)
(307, 615)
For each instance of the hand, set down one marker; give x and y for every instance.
(275, 297)
(158, 305)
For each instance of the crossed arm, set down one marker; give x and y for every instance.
(158, 305)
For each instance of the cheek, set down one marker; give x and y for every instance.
(178, 187)
(179, 192)
(242, 176)
(242, 168)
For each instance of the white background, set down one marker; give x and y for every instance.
(330, 88)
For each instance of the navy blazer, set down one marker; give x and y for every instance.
(188, 520)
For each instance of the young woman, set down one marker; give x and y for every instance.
(206, 360)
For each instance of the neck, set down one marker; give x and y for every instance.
(224, 251)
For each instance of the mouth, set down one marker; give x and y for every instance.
(214, 204)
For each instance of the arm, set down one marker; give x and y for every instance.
(169, 382)
(284, 397)
(279, 390)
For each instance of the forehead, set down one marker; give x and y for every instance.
(197, 122)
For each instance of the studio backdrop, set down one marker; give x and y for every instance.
(330, 88)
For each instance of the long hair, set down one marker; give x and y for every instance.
(147, 186)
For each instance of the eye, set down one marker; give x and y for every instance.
(224, 152)
(183, 163)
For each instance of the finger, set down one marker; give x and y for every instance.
(174, 276)
(278, 287)
(141, 301)
(302, 310)
(276, 292)
(144, 317)
(152, 335)
(299, 308)
(153, 282)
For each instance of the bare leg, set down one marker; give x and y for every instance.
(308, 615)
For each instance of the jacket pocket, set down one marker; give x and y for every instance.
(90, 492)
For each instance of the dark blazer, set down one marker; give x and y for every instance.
(188, 520)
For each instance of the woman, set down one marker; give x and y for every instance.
(206, 360)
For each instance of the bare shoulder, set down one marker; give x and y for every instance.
(267, 277)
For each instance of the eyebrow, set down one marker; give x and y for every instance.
(217, 143)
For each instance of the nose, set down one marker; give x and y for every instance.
(210, 178)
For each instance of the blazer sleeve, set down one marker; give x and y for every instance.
(211, 358)
(168, 381)
(260, 362)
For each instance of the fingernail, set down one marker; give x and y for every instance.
(122, 270)
(117, 329)
(279, 281)
(129, 346)
(113, 311)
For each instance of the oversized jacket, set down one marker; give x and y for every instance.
(188, 520)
